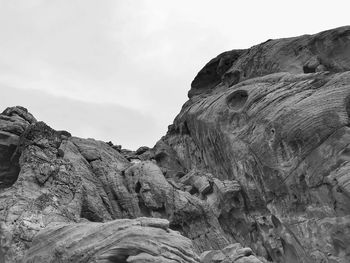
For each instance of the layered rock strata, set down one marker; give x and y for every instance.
(258, 157)
(281, 130)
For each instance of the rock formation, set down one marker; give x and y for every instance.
(255, 168)
(123, 240)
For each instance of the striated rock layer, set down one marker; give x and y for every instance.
(255, 168)
(124, 240)
(281, 130)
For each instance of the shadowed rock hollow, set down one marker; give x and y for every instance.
(255, 168)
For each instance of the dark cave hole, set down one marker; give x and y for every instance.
(8, 174)
(92, 216)
(137, 187)
(237, 200)
(179, 175)
(119, 255)
(114, 259)
(159, 209)
(175, 227)
(160, 156)
(269, 258)
(194, 191)
(237, 99)
(307, 69)
(273, 131)
(9, 165)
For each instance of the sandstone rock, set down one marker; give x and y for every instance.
(124, 240)
(283, 146)
(201, 183)
(280, 136)
(188, 213)
(142, 150)
(52, 187)
(328, 49)
(67, 180)
(211, 74)
(13, 122)
(20, 114)
(167, 157)
(234, 253)
(259, 156)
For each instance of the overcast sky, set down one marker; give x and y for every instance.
(120, 70)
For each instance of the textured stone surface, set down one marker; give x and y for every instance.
(124, 240)
(13, 122)
(326, 51)
(65, 179)
(234, 253)
(282, 133)
(255, 168)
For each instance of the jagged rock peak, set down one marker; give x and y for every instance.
(325, 51)
(20, 112)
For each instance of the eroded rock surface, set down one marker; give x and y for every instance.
(13, 122)
(282, 133)
(326, 51)
(124, 240)
(69, 180)
(255, 168)
(233, 253)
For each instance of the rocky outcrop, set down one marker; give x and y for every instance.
(76, 183)
(282, 133)
(255, 168)
(13, 122)
(125, 240)
(326, 51)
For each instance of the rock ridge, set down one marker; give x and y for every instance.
(254, 169)
(325, 51)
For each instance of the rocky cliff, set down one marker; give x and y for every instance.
(255, 168)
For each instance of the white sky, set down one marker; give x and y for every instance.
(120, 70)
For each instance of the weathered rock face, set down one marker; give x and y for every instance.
(258, 157)
(125, 240)
(13, 122)
(326, 51)
(282, 132)
(75, 183)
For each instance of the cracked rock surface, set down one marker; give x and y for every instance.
(255, 168)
